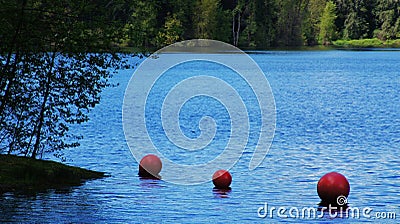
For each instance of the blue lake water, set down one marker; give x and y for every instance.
(335, 111)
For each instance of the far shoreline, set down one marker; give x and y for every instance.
(356, 45)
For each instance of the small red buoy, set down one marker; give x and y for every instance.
(332, 187)
(150, 166)
(222, 179)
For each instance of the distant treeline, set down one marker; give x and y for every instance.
(260, 23)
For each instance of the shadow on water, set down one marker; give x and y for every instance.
(221, 193)
(32, 192)
(148, 182)
(29, 199)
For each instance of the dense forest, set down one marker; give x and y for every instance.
(261, 23)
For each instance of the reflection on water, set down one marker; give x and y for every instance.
(221, 193)
(336, 111)
(150, 183)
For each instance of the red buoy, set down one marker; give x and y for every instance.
(333, 188)
(222, 179)
(150, 166)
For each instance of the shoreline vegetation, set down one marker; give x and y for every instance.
(265, 24)
(367, 43)
(28, 175)
(361, 44)
(358, 44)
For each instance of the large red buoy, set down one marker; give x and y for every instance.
(150, 166)
(333, 189)
(222, 179)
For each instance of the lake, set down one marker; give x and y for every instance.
(335, 111)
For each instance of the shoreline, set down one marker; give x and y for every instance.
(27, 175)
(357, 45)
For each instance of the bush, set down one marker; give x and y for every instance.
(367, 43)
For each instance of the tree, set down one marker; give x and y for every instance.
(223, 31)
(55, 60)
(387, 13)
(312, 20)
(237, 17)
(172, 32)
(290, 16)
(141, 29)
(205, 19)
(355, 19)
(357, 24)
(266, 18)
(250, 30)
(183, 11)
(260, 23)
(327, 26)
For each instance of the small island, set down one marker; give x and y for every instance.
(22, 174)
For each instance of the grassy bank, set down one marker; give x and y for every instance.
(20, 174)
(367, 43)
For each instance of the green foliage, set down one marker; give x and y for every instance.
(183, 11)
(260, 30)
(388, 19)
(261, 23)
(289, 30)
(55, 59)
(312, 20)
(356, 25)
(364, 43)
(250, 32)
(206, 19)
(171, 33)
(393, 43)
(223, 31)
(140, 31)
(327, 26)
(367, 43)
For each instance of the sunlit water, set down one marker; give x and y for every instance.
(336, 111)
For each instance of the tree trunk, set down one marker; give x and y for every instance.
(41, 121)
(233, 28)
(14, 135)
(43, 108)
(236, 26)
(8, 83)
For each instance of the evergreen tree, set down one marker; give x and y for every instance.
(265, 20)
(327, 31)
(388, 19)
(357, 24)
(289, 30)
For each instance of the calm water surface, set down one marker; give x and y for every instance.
(336, 111)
